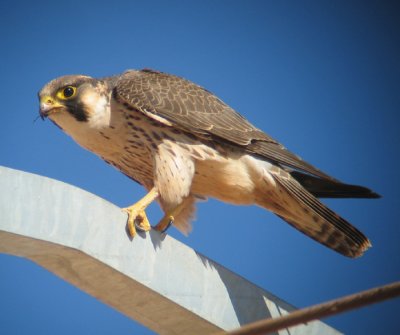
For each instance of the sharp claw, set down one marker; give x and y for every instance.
(137, 218)
(164, 224)
(139, 224)
(137, 221)
(131, 229)
(170, 222)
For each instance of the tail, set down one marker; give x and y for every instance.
(327, 188)
(306, 213)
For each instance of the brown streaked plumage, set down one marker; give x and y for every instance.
(181, 142)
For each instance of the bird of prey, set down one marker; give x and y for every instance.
(182, 143)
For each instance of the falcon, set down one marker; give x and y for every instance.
(183, 143)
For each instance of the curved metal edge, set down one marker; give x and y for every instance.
(156, 280)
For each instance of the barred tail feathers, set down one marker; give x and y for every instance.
(301, 209)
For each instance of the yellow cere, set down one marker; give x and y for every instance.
(46, 100)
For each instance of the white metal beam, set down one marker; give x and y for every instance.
(154, 279)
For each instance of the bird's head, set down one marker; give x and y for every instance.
(73, 99)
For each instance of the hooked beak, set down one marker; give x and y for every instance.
(48, 106)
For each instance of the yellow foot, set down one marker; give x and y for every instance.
(137, 217)
(165, 223)
(169, 218)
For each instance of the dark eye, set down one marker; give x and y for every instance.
(68, 92)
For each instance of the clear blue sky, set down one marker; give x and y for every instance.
(322, 77)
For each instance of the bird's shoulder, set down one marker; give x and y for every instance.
(185, 104)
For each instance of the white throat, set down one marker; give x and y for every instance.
(90, 133)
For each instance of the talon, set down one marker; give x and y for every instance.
(170, 222)
(131, 220)
(169, 218)
(165, 223)
(137, 217)
(137, 220)
(131, 230)
(141, 222)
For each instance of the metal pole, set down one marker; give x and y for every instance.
(332, 307)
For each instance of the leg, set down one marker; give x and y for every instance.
(169, 218)
(137, 214)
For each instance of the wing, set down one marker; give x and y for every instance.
(185, 105)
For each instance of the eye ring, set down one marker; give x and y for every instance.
(67, 92)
